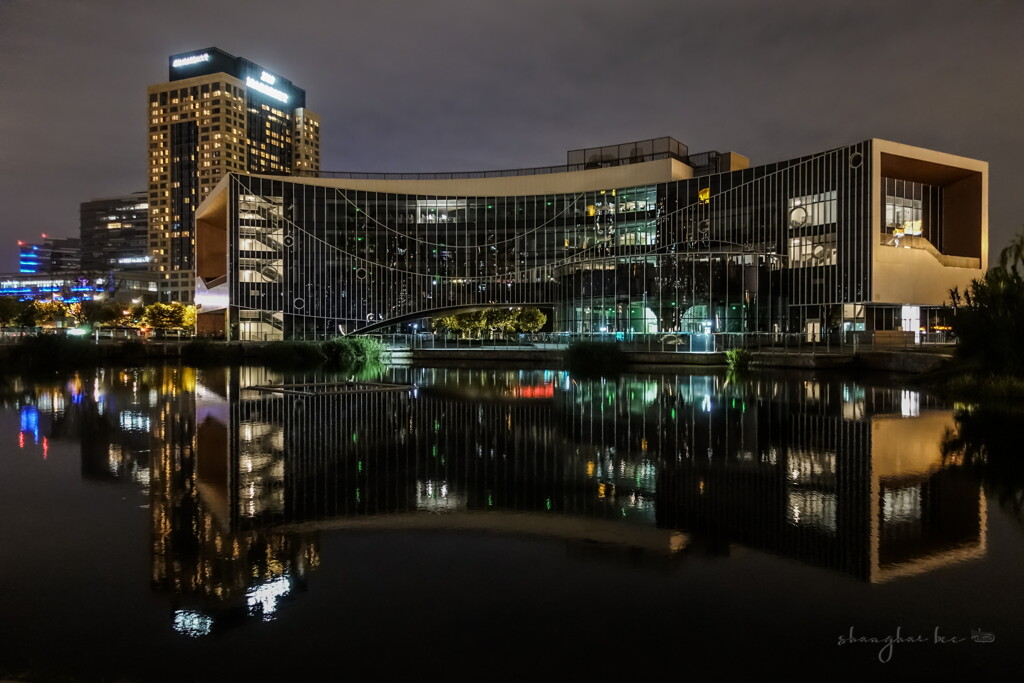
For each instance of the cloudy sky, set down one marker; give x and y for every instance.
(404, 85)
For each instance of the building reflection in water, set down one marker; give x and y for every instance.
(241, 481)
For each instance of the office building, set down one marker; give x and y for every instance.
(643, 239)
(52, 255)
(114, 233)
(216, 114)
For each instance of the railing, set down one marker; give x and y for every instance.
(776, 342)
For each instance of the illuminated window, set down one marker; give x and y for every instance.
(811, 210)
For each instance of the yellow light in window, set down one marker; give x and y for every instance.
(704, 195)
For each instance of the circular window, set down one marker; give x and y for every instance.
(361, 273)
(289, 240)
(797, 217)
(856, 159)
(299, 303)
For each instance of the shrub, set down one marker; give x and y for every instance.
(354, 352)
(737, 359)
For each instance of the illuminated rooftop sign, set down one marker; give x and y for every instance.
(268, 78)
(133, 259)
(192, 59)
(266, 89)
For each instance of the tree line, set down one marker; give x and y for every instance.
(15, 313)
(494, 320)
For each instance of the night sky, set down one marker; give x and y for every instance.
(445, 85)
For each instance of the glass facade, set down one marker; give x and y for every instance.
(774, 249)
(114, 233)
(911, 209)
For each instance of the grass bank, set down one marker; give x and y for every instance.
(53, 352)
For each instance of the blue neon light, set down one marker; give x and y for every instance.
(30, 421)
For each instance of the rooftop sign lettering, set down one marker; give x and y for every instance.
(192, 59)
(266, 89)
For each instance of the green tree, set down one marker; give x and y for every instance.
(473, 323)
(131, 316)
(188, 317)
(48, 312)
(10, 310)
(501, 319)
(97, 313)
(28, 316)
(990, 323)
(446, 322)
(1012, 255)
(531, 320)
(165, 316)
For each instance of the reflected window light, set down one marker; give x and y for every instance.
(132, 421)
(901, 506)
(910, 403)
(192, 624)
(263, 598)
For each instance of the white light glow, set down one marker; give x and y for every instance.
(266, 89)
(133, 421)
(263, 598)
(194, 624)
(193, 59)
(268, 78)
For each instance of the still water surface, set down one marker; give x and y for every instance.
(181, 524)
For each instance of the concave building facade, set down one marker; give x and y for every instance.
(635, 239)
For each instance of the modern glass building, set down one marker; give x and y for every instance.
(216, 114)
(636, 239)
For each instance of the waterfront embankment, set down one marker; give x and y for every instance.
(914, 361)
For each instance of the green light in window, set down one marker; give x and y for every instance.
(547, 504)
(673, 413)
(490, 206)
(490, 501)
(359, 466)
(359, 239)
(355, 437)
(358, 496)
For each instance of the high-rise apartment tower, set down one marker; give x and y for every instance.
(216, 114)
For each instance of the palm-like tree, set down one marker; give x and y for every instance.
(1013, 255)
